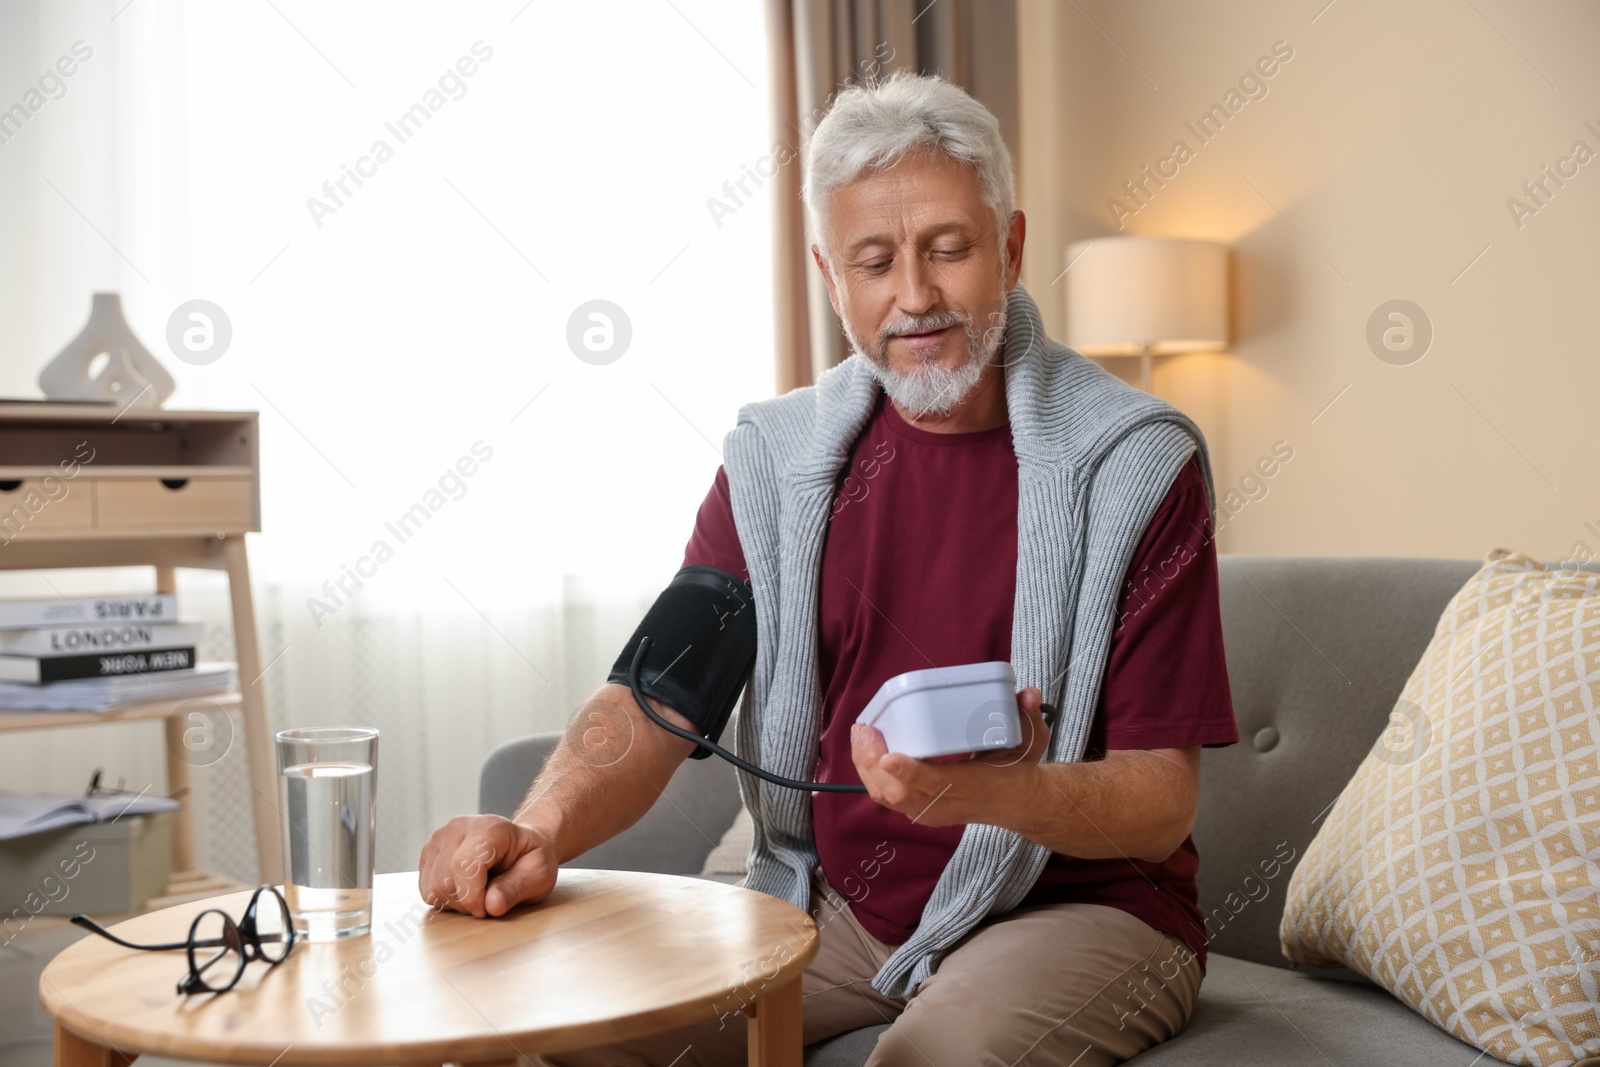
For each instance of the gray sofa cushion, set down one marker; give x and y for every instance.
(1249, 1013)
(846, 1050)
(1318, 649)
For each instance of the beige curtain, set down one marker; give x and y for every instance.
(816, 48)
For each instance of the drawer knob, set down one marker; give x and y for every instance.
(174, 483)
(10, 486)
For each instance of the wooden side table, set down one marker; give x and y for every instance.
(86, 485)
(607, 957)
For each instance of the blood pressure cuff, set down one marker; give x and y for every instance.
(702, 631)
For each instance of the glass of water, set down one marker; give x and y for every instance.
(327, 788)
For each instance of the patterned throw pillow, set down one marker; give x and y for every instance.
(1460, 868)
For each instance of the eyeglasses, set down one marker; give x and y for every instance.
(265, 933)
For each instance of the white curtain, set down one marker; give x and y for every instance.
(398, 332)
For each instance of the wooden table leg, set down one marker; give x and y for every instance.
(74, 1051)
(177, 767)
(774, 1030)
(253, 700)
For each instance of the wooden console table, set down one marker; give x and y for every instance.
(166, 489)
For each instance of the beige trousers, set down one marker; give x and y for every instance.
(1069, 985)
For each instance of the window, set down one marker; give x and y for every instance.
(400, 209)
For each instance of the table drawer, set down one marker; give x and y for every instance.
(219, 503)
(34, 506)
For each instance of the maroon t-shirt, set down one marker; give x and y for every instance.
(919, 570)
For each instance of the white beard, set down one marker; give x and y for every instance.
(932, 388)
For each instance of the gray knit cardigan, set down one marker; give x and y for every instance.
(1095, 458)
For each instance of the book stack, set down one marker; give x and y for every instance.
(100, 653)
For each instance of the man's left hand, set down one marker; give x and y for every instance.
(988, 788)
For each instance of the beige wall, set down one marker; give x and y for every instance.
(1390, 143)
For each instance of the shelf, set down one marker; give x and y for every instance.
(158, 709)
(111, 535)
(68, 412)
(156, 470)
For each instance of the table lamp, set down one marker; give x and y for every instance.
(1146, 296)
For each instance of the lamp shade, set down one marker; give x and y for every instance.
(1160, 295)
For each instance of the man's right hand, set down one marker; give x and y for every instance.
(486, 865)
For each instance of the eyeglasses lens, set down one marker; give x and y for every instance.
(216, 953)
(272, 926)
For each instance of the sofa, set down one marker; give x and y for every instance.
(1318, 649)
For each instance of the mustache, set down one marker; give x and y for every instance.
(923, 324)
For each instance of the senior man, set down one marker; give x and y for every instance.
(961, 489)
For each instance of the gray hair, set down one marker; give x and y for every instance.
(877, 124)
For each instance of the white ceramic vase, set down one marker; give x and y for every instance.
(131, 375)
